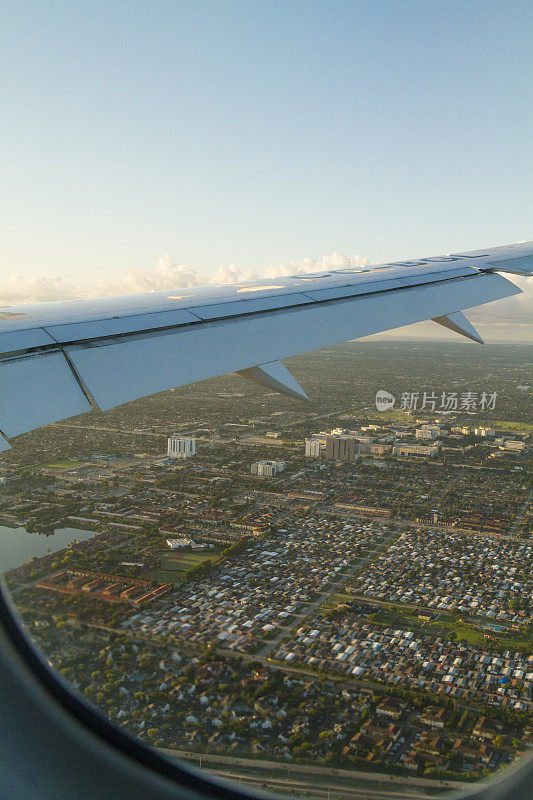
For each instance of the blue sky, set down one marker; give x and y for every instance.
(253, 133)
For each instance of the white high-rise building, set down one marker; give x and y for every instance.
(312, 447)
(430, 432)
(482, 431)
(181, 446)
(267, 469)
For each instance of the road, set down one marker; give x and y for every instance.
(319, 789)
(106, 429)
(314, 777)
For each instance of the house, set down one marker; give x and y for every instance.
(390, 708)
(433, 745)
(486, 728)
(375, 729)
(481, 754)
(433, 717)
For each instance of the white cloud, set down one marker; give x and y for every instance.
(334, 261)
(231, 274)
(17, 289)
(166, 276)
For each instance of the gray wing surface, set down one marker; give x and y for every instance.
(58, 360)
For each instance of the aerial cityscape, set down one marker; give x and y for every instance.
(266, 395)
(311, 589)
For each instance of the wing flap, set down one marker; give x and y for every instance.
(37, 390)
(4, 445)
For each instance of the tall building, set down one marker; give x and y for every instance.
(181, 446)
(312, 447)
(431, 432)
(267, 469)
(342, 448)
(482, 431)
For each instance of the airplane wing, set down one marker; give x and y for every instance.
(61, 359)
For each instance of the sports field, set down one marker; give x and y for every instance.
(173, 565)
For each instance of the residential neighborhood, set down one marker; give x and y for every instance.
(246, 588)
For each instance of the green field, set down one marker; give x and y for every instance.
(173, 565)
(392, 415)
(446, 624)
(63, 464)
(519, 427)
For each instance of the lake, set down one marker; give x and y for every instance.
(17, 546)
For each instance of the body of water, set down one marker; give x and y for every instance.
(17, 546)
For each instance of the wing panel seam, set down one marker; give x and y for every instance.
(79, 380)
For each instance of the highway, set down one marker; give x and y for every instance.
(315, 781)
